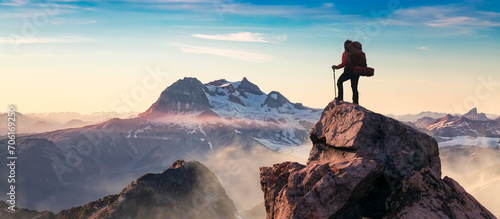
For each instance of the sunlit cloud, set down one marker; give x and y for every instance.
(233, 54)
(242, 37)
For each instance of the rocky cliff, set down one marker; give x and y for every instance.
(366, 165)
(185, 190)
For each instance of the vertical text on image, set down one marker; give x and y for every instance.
(11, 157)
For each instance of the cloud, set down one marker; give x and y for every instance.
(233, 54)
(59, 21)
(238, 8)
(447, 16)
(14, 3)
(35, 40)
(243, 37)
(423, 48)
(461, 21)
(327, 5)
(240, 36)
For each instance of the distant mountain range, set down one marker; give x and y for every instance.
(189, 120)
(45, 122)
(436, 115)
(472, 124)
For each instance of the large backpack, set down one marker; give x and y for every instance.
(357, 60)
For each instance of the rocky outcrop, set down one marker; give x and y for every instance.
(249, 87)
(424, 122)
(184, 95)
(365, 165)
(21, 213)
(424, 195)
(474, 115)
(235, 99)
(185, 190)
(275, 100)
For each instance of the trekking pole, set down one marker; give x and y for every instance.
(334, 82)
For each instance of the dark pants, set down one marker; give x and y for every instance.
(354, 85)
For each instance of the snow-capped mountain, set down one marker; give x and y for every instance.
(190, 120)
(469, 124)
(270, 119)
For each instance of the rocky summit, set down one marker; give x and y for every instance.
(185, 190)
(365, 165)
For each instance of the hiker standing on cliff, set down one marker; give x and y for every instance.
(353, 56)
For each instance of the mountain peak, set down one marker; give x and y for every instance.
(219, 82)
(474, 115)
(177, 192)
(249, 87)
(471, 112)
(275, 100)
(185, 95)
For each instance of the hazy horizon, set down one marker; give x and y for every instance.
(84, 56)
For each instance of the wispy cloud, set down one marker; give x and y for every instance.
(242, 37)
(423, 48)
(233, 54)
(461, 21)
(37, 55)
(35, 40)
(14, 2)
(447, 16)
(230, 7)
(60, 21)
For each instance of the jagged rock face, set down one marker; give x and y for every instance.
(365, 165)
(275, 100)
(235, 99)
(424, 122)
(185, 190)
(450, 126)
(362, 133)
(249, 87)
(22, 213)
(473, 115)
(424, 195)
(184, 95)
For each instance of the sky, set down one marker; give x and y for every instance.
(92, 56)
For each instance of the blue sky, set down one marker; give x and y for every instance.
(84, 55)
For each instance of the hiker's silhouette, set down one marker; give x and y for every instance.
(353, 56)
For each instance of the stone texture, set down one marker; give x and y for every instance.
(352, 128)
(365, 165)
(249, 87)
(424, 195)
(184, 95)
(185, 190)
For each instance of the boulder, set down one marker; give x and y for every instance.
(365, 165)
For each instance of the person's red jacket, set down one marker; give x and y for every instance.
(344, 60)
